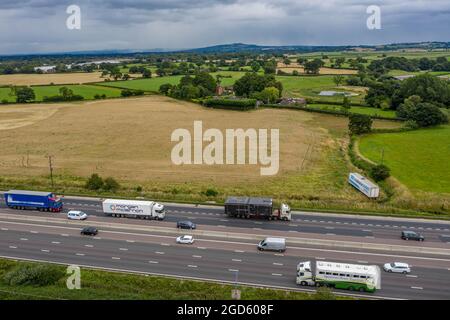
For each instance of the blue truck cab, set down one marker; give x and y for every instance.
(42, 201)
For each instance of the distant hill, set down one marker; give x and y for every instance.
(253, 48)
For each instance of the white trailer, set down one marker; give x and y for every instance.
(364, 185)
(134, 209)
(339, 275)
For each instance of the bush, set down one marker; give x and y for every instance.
(243, 104)
(110, 184)
(139, 189)
(130, 93)
(411, 124)
(95, 182)
(359, 123)
(35, 275)
(211, 193)
(380, 172)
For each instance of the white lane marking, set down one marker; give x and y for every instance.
(223, 220)
(45, 250)
(411, 276)
(221, 226)
(369, 237)
(201, 248)
(195, 256)
(256, 222)
(23, 239)
(256, 228)
(115, 258)
(277, 274)
(89, 245)
(130, 241)
(320, 258)
(35, 232)
(123, 249)
(80, 254)
(159, 252)
(329, 228)
(279, 254)
(236, 260)
(239, 251)
(64, 235)
(277, 264)
(417, 288)
(330, 234)
(293, 225)
(293, 231)
(192, 266)
(12, 247)
(165, 244)
(56, 242)
(97, 238)
(4, 229)
(153, 262)
(233, 270)
(367, 230)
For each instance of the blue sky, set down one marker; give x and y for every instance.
(34, 26)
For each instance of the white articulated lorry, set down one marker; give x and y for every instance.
(134, 209)
(339, 275)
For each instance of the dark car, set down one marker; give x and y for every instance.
(186, 225)
(89, 231)
(411, 235)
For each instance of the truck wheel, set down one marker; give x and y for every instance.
(303, 283)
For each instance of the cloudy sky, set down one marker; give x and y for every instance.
(34, 26)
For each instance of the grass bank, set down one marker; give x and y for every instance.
(105, 285)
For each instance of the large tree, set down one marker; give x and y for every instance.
(23, 94)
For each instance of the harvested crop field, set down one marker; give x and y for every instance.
(130, 140)
(42, 79)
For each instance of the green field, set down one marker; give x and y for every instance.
(149, 85)
(87, 91)
(361, 110)
(419, 159)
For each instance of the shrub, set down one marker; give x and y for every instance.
(243, 104)
(211, 193)
(359, 123)
(95, 182)
(411, 124)
(35, 275)
(380, 172)
(4, 101)
(110, 184)
(139, 189)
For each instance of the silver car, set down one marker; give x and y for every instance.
(397, 267)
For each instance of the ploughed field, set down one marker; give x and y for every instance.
(43, 79)
(130, 140)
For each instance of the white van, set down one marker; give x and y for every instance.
(76, 215)
(272, 244)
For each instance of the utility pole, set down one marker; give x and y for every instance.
(50, 165)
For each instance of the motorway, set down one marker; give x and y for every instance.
(132, 245)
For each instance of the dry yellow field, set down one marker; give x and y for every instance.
(130, 140)
(42, 79)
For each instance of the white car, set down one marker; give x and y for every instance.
(76, 215)
(397, 267)
(185, 239)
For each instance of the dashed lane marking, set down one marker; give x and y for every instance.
(277, 274)
(192, 266)
(23, 239)
(159, 252)
(80, 254)
(196, 256)
(45, 250)
(12, 247)
(115, 258)
(277, 264)
(417, 288)
(236, 260)
(233, 270)
(123, 249)
(153, 262)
